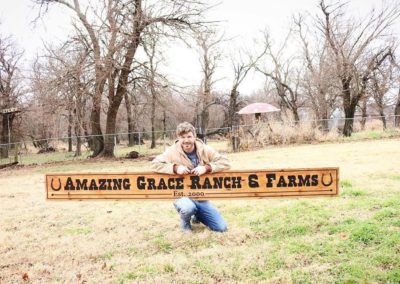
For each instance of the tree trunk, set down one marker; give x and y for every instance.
(205, 117)
(164, 123)
(131, 126)
(109, 140)
(70, 122)
(97, 139)
(296, 115)
(349, 107)
(78, 133)
(205, 114)
(325, 123)
(86, 134)
(348, 124)
(234, 120)
(233, 116)
(383, 118)
(152, 119)
(78, 150)
(397, 112)
(320, 114)
(363, 114)
(324, 120)
(196, 113)
(116, 100)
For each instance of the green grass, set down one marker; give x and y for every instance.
(52, 157)
(105, 256)
(352, 238)
(78, 231)
(373, 135)
(162, 244)
(144, 150)
(348, 190)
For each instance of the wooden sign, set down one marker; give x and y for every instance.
(9, 110)
(222, 185)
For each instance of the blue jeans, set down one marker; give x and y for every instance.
(203, 211)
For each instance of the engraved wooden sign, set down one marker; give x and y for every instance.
(223, 185)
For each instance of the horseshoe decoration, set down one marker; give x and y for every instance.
(59, 185)
(329, 183)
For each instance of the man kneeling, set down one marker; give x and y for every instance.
(190, 155)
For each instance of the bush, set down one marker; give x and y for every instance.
(275, 132)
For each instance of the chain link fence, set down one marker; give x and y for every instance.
(259, 134)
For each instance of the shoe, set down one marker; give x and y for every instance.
(186, 227)
(194, 220)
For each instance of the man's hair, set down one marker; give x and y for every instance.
(185, 127)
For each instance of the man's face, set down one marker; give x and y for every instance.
(187, 141)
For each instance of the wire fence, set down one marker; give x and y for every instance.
(242, 137)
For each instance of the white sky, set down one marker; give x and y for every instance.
(242, 20)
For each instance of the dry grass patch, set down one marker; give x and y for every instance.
(352, 238)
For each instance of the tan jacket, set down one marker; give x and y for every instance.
(164, 163)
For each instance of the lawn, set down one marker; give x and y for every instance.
(353, 238)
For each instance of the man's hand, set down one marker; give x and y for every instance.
(199, 170)
(181, 170)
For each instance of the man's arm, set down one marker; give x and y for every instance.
(165, 164)
(218, 162)
(161, 164)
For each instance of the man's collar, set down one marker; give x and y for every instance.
(193, 151)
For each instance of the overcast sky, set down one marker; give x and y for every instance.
(241, 20)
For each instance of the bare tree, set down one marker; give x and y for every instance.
(48, 103)
(155, 81)
(114, 35)
(397, 101)
(285, 75)
(129, 98)
(382, 82)
(318, 82)
(208, 42)
(358, 48)
(63, 74)
(10, 89)
(397, 110)
(241, 68)
(80, 86)
(363, 106)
